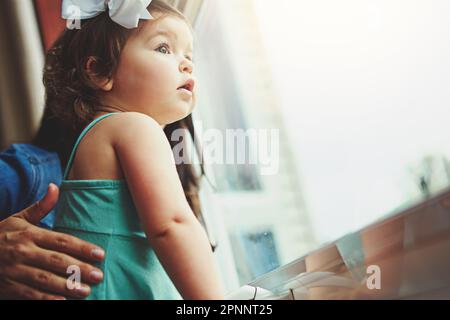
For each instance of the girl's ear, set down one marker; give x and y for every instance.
(106, 84)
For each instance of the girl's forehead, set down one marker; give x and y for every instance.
(169, 26)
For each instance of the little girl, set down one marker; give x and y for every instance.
(123, 78)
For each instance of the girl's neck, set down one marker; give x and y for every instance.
(110, 109)
(104, 109)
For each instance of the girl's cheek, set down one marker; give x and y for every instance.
(135, 73)
(141, 69)
(149, 66)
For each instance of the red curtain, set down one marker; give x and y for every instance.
(49, 18)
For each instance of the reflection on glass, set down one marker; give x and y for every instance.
(258, 252)
(406, 256)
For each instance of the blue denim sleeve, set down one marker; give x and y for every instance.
(25, 173)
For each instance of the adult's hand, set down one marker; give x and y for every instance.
(34, 261)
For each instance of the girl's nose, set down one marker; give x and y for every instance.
(186, 65)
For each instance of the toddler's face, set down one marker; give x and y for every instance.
(155, 62)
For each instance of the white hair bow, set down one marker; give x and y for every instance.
(124, 12)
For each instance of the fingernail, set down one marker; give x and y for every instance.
(96, 276)
(84, 290)
(98, 253)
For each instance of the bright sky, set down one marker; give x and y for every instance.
(365, 89)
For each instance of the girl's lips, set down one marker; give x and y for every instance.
(188, 85)
(185, 92)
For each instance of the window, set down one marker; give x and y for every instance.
(358, 93)
(259, 220)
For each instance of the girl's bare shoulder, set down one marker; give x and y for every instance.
(129, 127)
(128, 133)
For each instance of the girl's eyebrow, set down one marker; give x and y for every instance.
(166, 33)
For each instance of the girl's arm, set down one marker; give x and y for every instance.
(171, 227)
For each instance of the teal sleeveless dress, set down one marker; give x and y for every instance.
(102, 212)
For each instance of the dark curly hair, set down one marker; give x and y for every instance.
(72, 97)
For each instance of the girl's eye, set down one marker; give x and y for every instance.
(164, 48)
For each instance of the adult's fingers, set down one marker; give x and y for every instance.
(40, 209)
(68, 244)
(46, 281)
(59, 263)
(14, 290)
